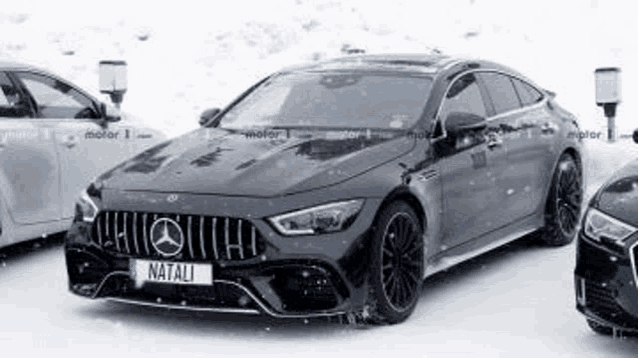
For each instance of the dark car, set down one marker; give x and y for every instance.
(606, 276)
(332, 188)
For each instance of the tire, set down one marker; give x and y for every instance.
(599, 328)
(396, 269)
(564, 203)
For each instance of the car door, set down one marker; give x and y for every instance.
(468, 163)
(521, 187)
(543, 134)
(87, 145)
(28, 161)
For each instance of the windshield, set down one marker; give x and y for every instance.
(350, 100)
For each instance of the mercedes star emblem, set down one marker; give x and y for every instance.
(167, 237)
(172, 198)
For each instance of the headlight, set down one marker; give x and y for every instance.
(604, 228)
(86, 209)
(319, 219)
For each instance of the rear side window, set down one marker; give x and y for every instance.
(57, 99)
(501, 91)
(528, 94)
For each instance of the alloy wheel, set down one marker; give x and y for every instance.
(568, 199)
(401, 261)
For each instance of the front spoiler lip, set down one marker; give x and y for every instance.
(589, 314)
(246, 311)
(263, 307)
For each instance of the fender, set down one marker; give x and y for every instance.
(7, 197)
(419, 183)
(13, 232)
(426, 186)
(7, 224)
(423, 191)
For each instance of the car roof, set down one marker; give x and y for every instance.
(434, 63)
(21, 66)
(12, 65)
(422, 63)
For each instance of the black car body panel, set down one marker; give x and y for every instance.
(220, 186)
(216, 161)
(606, 273)
(605, 285)
(618, 196)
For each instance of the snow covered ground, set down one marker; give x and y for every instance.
(186, 56)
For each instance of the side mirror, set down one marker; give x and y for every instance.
(636, 136)
(207, 115)
(109, 113)
(113, 80)
(463, 122)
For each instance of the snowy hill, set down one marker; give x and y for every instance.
(190, 55)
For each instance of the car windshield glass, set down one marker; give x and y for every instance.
(350, 100)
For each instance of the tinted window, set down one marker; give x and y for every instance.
(56, 99)
(501, 91)
(12, 103)
(528, 94)
(353, 99)
(463, 96)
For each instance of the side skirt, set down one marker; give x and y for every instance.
(483, 244)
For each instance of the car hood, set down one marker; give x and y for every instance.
(270, 163)
(619, 196)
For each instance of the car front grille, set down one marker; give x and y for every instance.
(206, 237)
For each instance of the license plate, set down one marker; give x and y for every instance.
(179, 273)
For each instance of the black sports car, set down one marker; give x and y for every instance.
(332, 188)
(606, 276)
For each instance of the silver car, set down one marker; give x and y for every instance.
(54, 138)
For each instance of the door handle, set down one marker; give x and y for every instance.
(546, 128)
(494, 141)
(69, 141)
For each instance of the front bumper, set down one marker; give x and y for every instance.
(292, 277)
(605, 284)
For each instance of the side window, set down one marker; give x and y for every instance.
(56, 99)
(12, 102)
(527, 93)
(501, 91)
(463, 96)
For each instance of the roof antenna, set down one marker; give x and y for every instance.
(349, 50)
(354, 51)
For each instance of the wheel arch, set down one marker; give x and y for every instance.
(6, 216)
(403, 193)
(7, 196)
(576, 155)
(376, 305)
(572, 152)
